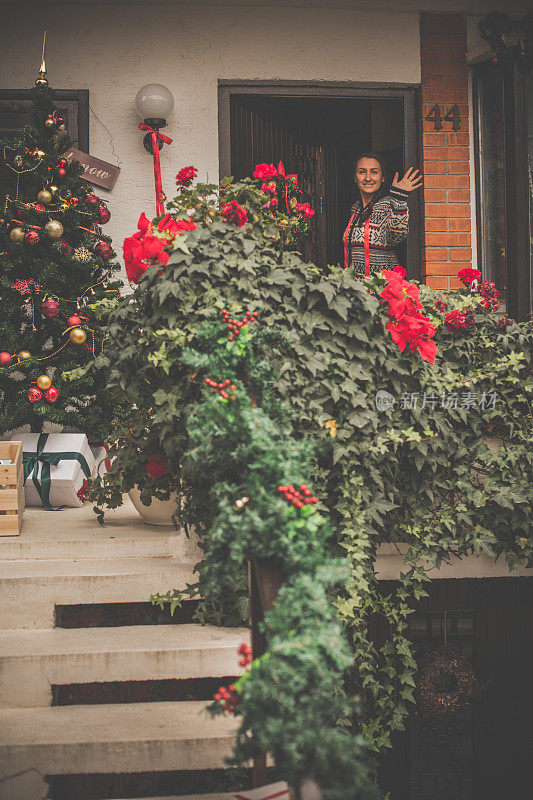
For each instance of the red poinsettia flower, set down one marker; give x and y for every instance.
(144, 248)
(263, 172)
(415, 332)
(441, 304)
(407, 326)
(234, 213)
(304, 209)
(468, 275)
(402, 296)
(141, 249)
(427, 349)
(174, 227)
(186, 176)
(156, 466)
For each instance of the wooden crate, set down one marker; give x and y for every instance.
(11, 489)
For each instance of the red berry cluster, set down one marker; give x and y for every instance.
(246, 655)
(220, 388)
(298, 498)
(228, 698)
(235, 325)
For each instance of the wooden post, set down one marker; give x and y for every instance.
(265, 579)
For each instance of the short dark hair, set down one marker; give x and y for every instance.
(374, 156)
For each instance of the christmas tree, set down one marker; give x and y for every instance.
(56, 281)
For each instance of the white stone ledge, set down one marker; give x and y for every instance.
(389, 564)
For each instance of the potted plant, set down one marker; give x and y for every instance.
(139, 466)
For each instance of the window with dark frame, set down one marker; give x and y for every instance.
(503, 124)
(72, 105)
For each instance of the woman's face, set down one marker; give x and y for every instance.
(368, 175)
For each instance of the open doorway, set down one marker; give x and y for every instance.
(317, 133)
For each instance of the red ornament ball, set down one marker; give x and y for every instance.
(5, 359)
(34, 394)
(61, 172)
(73, 321)
(74, 201)
(31, 237)
(91, 200)
(51, 394)
(39, 208)
(50, 308)
(104, 214)
(104, 250)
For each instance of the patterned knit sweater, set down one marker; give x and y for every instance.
(387, 227)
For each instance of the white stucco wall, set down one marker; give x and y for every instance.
(113, 50)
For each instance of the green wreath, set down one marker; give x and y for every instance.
(446, 684)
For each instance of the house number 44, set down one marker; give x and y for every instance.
(452, 116)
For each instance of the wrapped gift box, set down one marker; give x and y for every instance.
(59, 478)
(274, 791)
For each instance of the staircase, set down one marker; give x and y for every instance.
(59, 736)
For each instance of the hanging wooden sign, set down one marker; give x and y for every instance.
(96, 171)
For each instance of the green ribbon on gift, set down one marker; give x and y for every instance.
(31, 463)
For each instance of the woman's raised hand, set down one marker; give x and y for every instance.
(411, 180)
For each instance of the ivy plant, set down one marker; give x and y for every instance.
(435, 458)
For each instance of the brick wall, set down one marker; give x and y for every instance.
(446, 153)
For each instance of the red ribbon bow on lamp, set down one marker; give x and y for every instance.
(159, 207)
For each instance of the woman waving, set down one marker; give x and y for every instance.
(380, 218)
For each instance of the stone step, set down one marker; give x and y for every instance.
(136, 737)
(75, 533)
(223, 796)
(29, 589)
(31, 661)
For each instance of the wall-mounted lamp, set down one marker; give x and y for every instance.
(154, 104)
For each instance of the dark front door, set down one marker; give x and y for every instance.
(484, 751)
(318, 135)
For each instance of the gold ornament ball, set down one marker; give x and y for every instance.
(44, 197)
(23, 355)
(50, 123)
(43, 382)
(77, 336)
(61, 127)
(40, 154)
(16, 235)
(54, 229)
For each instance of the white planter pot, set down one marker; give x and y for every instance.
(159, 512)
